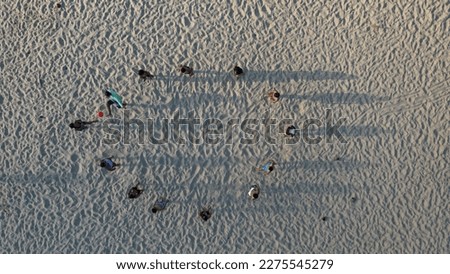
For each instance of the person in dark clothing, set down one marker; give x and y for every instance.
(238, 71)
(205, 214)
(290, 131)
(135, 192)
(79, 125)
(186, 70)
(145, 75)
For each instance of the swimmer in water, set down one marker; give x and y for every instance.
(108, 164)
(79, 125)
(135, 192)
(254, 192)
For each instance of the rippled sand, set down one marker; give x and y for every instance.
(384, 65)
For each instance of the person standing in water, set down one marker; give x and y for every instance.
(113, 99)
(107, 163)
(79, 125)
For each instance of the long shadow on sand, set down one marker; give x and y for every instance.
(338, 165)
(292, 183)
(337, 97)
(297, 186)
(278, 76)
(182, 100)
(286, 76)
(351, 131)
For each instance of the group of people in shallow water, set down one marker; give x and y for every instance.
(114, 99)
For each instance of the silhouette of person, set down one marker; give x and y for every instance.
(79, 125)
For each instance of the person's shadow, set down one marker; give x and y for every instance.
(277, 76)
(287, 76)
(338, 97)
